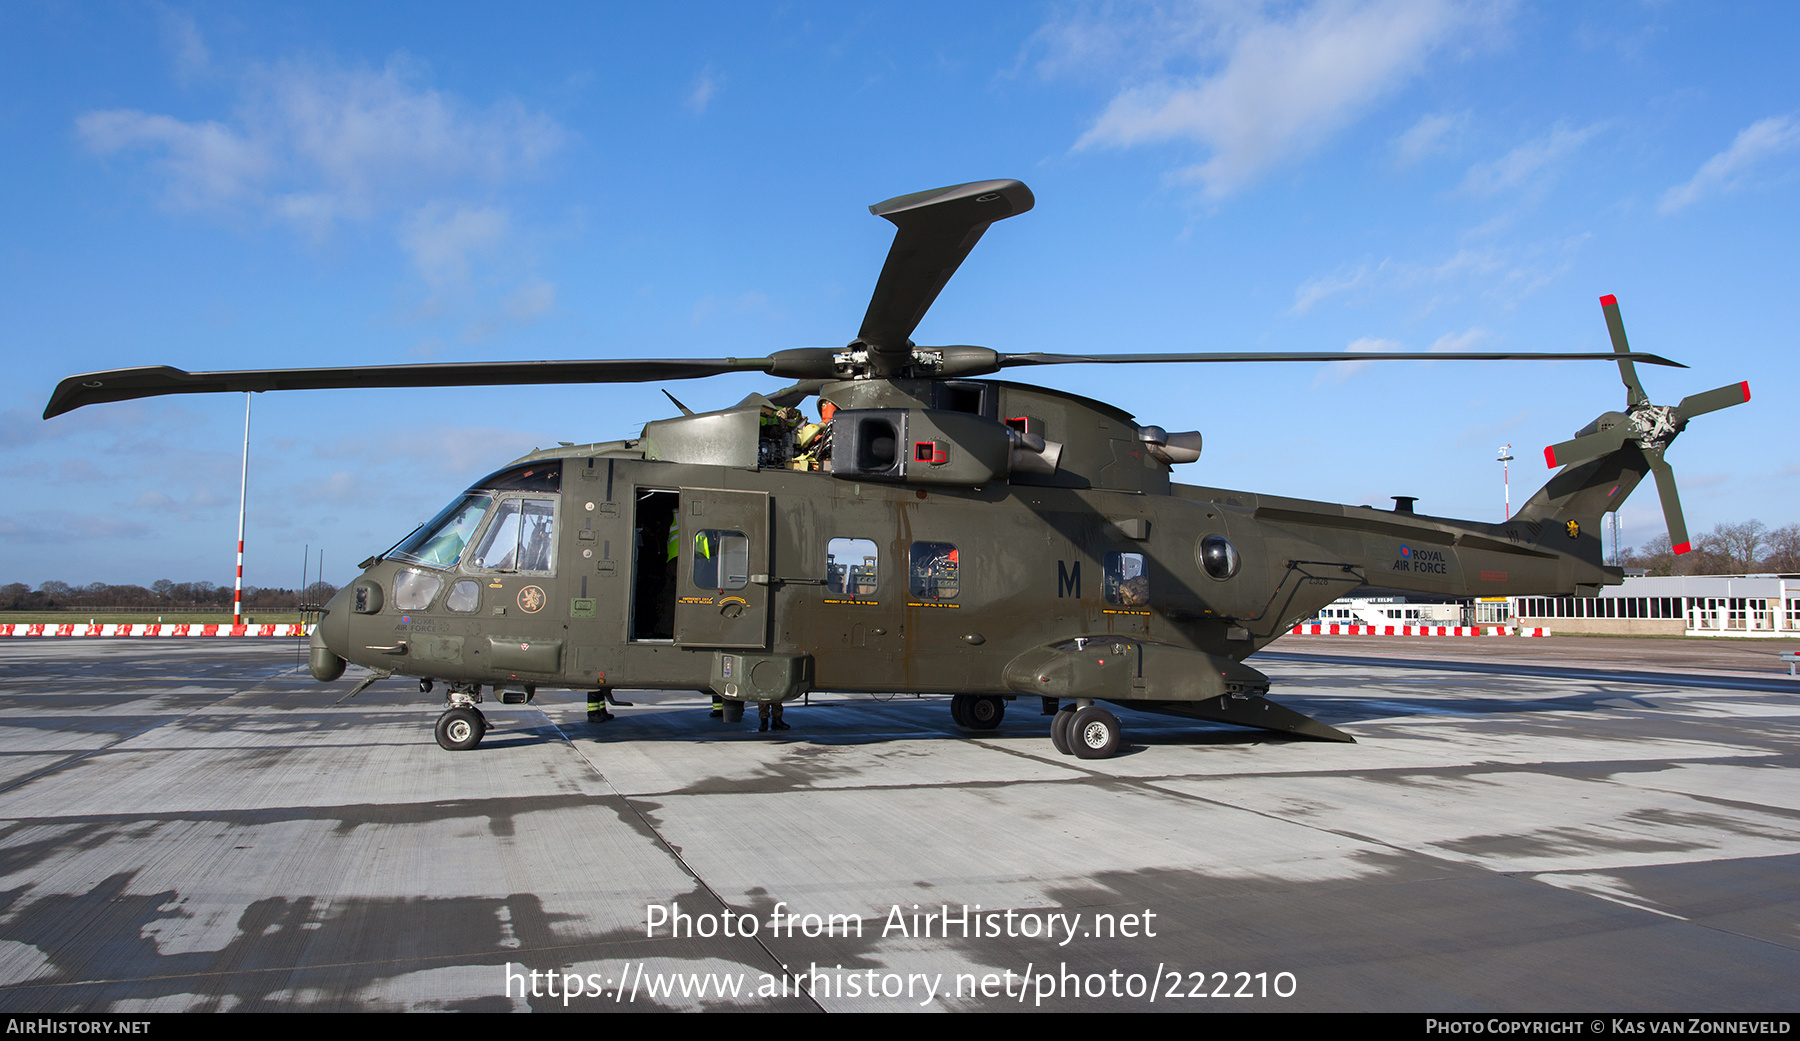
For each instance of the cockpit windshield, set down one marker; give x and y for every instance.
(520, 539)
(440, 542)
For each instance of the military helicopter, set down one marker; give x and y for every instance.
(936, 532)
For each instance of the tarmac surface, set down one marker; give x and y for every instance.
(189, 825)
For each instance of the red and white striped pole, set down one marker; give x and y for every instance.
(237, 592)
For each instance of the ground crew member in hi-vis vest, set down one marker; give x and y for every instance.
(701, 551)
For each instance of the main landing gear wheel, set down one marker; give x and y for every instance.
(1059, 730)
(1094, 733)
(734, 711)
(983, 713)
(977, 712)
(460, 729)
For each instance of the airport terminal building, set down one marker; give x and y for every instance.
(1682, 605)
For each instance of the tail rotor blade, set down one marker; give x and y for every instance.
(1588, 446)
(1713, 400)
(1615, 326)
(1671, 505)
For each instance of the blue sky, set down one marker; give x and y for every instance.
(245, 186)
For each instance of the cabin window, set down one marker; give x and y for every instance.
(721, 560)
(521, 537)
(935, 571)
(852, 567)
(1127, 585)
(465, 596)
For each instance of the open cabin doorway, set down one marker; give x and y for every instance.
(654, 579)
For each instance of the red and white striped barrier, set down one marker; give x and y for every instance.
(151, 629)
(1415, 630)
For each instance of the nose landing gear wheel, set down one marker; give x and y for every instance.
(460, 729)
(1059, 730)
(1094, 733)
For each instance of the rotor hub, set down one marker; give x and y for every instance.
(1655, 425)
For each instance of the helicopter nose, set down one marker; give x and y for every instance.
(330, 639)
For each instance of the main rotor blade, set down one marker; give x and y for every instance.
(1588, 446)
(1713, 400)
(1615, 327)
(1671, 505)
(803, 363)
(937, 229)
(152, 380)
(1006, 360)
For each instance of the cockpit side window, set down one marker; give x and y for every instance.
(439, 542)
(521, 537)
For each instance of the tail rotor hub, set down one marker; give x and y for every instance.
(1655, 425)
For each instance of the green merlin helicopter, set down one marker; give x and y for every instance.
(936, 532)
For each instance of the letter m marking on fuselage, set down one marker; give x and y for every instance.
(1068, 579)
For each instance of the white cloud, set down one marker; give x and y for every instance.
(1430, 135)
(1339, 371)
(313, 146)
(1316, 291)
(531, 301)
(452, 450)
(59, 527)
(206, 163)
(1529, 166)
(526, 305)
(20, 427)
(702, 94)
(752, 302)
(187, 49)
(441, 238)
(1727, 170)
(1284, 86)
(1505, 274)
(1457, 343)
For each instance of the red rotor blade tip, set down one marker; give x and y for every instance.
(1746, 386)
(1683, 548)
(1608, 300)
(1550, 456)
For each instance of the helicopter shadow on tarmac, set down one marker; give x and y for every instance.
(1377, 694)
(860, 720)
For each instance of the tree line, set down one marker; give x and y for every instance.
(1746, 548)
(162, 595)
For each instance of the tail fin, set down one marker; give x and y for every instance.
(1575, 500)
